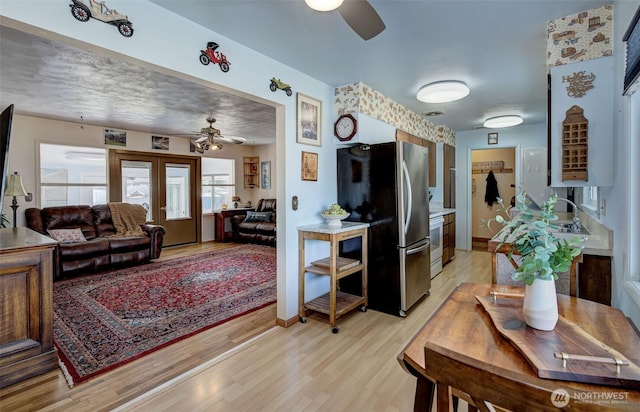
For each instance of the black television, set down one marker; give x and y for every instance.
(5, 134)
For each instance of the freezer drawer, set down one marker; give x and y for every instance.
(415, 273)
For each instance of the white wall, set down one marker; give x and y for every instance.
(247, 77)
(623, 198)
(517, 137)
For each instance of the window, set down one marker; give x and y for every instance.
(72, 175)
(218, 183)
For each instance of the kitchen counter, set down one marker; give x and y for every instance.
(435, 212)
(599, 242)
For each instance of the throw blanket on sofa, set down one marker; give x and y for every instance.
(127, 218)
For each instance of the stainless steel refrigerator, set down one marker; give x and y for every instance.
(387, 186)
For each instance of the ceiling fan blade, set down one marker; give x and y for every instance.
(201, 139)
(232, 139)
(362, 18)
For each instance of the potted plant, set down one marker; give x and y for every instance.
(543, 257)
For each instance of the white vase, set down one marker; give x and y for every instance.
(540, 305)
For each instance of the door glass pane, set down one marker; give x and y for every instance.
(136, 184)
(177, 202)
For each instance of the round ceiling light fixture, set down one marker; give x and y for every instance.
(443, 92)
(502, 121)
(324, 5)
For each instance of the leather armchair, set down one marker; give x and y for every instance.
(257, 227)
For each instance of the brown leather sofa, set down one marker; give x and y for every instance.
(100, 251)
(257, 227)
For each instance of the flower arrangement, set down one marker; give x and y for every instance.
(543, 254)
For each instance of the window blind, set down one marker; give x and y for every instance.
(632, 38)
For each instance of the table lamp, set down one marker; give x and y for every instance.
(15, 189)
(235, 200)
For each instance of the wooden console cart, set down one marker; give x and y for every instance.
(26, 310)
(334, 303)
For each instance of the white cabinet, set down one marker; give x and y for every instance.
(597, 104)
(370, 131)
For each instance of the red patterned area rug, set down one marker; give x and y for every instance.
(105, 320)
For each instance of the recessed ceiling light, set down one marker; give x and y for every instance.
(443, 92)
(502, 121)
(324, 5)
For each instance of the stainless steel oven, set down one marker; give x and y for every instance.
(435, 226)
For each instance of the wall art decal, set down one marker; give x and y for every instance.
(579, 83)
(99, 11)
(212, 55)
(277, 84)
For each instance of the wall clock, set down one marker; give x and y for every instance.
(345, 127)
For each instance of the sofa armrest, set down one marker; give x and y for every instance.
(156, 233)
(235, 223)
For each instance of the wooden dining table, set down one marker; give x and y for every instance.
(459, 351)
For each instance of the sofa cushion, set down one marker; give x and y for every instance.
(258, 217)
(128, 244)
(268, 229)
(67, 235)
(75, 251)
(69, 217)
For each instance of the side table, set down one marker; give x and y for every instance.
(222, 222)
(334, 303)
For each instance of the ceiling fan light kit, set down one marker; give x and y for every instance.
(443, 92)
(324, 5)
(498, 122)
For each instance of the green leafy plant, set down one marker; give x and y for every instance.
(4, 222)
(543, 254)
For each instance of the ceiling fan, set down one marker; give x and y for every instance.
(359, 15)
(211, 138)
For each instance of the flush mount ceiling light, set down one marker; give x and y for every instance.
(502, 121)
(443, 92)
(324, 5)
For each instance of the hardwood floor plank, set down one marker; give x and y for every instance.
(304, 366)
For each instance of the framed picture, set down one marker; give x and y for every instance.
(309, 120)
(492, 138)
(309, 166)
(265, 175)
(159, 142)
(115, 137)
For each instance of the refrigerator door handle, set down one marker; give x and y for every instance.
(418, 249)
(405, 172)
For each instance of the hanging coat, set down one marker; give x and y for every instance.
(492, 189)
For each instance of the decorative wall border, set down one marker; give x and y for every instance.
(360, 98)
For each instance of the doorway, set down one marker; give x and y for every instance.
(167, 187)
(501, 164)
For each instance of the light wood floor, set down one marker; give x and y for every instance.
(303, 367)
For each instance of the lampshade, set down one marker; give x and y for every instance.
(502, 121)
(324, 5)
(235, 198)
(215, 146)
(14, 186)
(443, 92)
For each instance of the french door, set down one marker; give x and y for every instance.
(167, 187)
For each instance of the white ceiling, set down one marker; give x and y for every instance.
(497, 47)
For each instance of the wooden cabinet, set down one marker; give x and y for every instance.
(402, 136)
(449, 174)
(594, 279)
(334, 303)
(251, 171)
(26, 294)
(448, 238)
